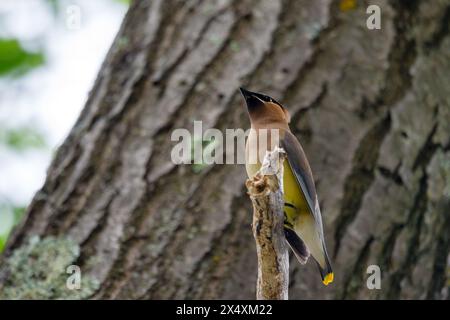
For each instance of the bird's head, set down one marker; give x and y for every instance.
(264, 109)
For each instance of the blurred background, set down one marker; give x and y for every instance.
(50, 53)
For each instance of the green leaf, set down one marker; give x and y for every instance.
(14, 59)
(22, 138)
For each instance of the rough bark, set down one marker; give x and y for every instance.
(265, 191)
(371, 108)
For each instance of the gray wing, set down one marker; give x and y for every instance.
(302, 171)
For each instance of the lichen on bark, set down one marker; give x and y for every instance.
(37, 270)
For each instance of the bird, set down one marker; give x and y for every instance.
(303, 228)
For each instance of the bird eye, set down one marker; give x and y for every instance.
(265, 98)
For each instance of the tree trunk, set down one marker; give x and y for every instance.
(371, 108)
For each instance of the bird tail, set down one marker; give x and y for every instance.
(326, 272)
(297, 245)
(302, 253)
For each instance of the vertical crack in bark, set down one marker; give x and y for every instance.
(86, 248)
(443, 32)
(354, 278)
(415, 219)
(264, 65)
(438, 279)
(360, 178)
(161, 78)
(306, 132)
(317, 49)
(414, 222)
(426, 152)
(385, 258)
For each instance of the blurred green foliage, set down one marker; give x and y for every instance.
(54, 6)
(9, 217)
(126, 2)
(18, 139)
(21, 139)
(14, 59)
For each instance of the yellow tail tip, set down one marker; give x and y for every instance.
(328, 278)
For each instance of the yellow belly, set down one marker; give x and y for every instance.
(293, 197)
(292, 193)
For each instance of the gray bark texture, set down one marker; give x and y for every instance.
(371, 108)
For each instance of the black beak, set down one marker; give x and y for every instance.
(251, 98)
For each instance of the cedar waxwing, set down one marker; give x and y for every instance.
(303, 221)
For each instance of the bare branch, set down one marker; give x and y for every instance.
(266, 192)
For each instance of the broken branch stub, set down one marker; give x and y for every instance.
(266, 192)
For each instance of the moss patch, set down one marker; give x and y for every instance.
(37, 270)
